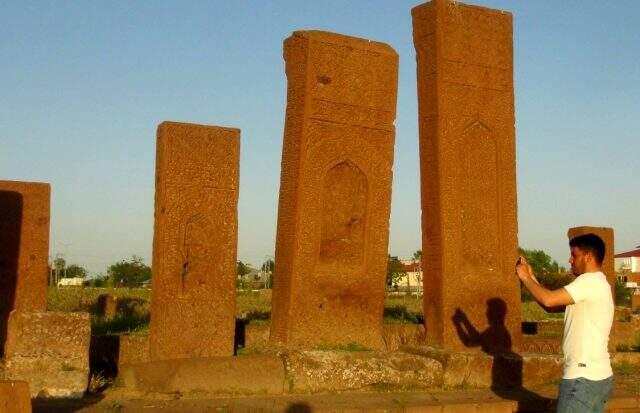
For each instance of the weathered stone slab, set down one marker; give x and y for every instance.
(468, 176)
(606, 234)
(50, 351)
(15, 397)
(24, 249)
(195, 241)
(472, 369)
(133, 349)
(262, 374)
(335, 191)
(317, 370)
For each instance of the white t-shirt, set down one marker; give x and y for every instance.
(587, 324)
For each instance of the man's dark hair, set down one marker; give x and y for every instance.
(590, 243)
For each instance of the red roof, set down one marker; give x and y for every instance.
(633, 253)
(413, 267)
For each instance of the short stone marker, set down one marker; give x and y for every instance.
(24, 249)
(50, 350)
(195, 241)
(108, 306)
(335, 191)
(468, 176)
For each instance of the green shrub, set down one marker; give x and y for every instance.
(551, 281)
(623, 294)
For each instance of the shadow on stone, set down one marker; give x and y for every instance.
(299, 407)
(495, 341)
(11, 206)
(240, 337)
(103, 361)
(64, 405)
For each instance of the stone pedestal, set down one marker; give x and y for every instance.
(468, 176)
(50, 351)
(24, 249)
(195, 240)
(335, 191)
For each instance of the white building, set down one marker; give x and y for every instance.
(628, 261)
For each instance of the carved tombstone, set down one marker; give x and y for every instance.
(195, 241)
(467, 162)
(335, 189)
(24, 249)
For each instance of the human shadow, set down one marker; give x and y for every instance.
(11, 206)
(495, 341)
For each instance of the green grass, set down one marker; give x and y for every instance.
(254, 307)
(531, 311)
(624, 368)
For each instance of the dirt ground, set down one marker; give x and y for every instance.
(382, 399)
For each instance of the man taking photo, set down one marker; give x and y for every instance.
(587, 379)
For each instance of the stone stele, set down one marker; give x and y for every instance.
(468, 177)
(335, 191)
(195, 240)
(606, 234)
(49, 350)
(15, 397)
(24, 249)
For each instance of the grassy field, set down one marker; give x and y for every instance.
(254, 306)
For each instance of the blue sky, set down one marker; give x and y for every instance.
(85, 84)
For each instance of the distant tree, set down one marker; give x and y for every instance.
(547, 271)
(395, 271)
(417, 257)
(74, 271)
(541, 262)
(129, 273)
(99, 282)
(268, 266)
(59, 263)
(243, 269)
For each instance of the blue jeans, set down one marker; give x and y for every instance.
(581, 395)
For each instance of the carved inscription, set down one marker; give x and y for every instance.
(343, 215)
(479, 208)
(195, 235)
(335, 191)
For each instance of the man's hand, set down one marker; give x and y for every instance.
(523, 269)
(546, 298)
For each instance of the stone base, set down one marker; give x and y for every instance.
(291, 372)
(314, 371)
(261, 374)
(508, 370)
(50, 351)
(14, 397)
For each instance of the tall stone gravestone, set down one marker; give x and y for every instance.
(467, 162)
(24, 249)
(195, 241)
(335, 189)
